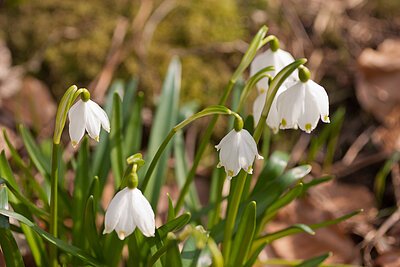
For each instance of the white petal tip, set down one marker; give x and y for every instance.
(229, 177)
(259, 157)
(121, 235)
(149, 234)
(107, 130)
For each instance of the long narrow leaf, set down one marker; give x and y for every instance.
(74, 251)
(164, 121)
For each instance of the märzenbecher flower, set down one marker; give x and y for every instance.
(237, 150)
(301, 105)
(129, 209)
(89, 116)
(278, 59)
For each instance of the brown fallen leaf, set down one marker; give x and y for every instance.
(377, 90)
(324, 202)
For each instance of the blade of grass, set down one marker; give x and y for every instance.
(164, 120)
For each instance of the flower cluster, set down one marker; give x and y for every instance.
(298, 103)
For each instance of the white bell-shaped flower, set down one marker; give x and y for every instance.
(301, 105)
(237, 150)
(278, 59)
(129, 209)
(273, 119)
(87, 116)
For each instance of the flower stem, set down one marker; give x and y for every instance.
(54, 203)
(231, 213)
(221, 110)
(202, 147)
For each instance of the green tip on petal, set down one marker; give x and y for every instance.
(308, 127)
(230, 173)
(326, 119)
(97, 138)
(74, 144)
(283, 122)
(249, 170)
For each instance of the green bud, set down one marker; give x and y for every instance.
(304, 74)
(238, 125)
(85, 95)
(274, 45)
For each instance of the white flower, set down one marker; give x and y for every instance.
(237, 150)
(278, 59)
(86, 115)
(273, 119)
(128, 209)
(301, 105)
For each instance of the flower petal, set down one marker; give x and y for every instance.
(76, 116)
(258, 107)
(309, 119)
(319, 93)
(100, 114)
(142, 213)
(92, 125)
(290, 105)
(117, 206)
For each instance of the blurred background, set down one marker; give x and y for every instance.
(353, 48)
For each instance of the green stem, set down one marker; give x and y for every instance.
(202, 147)
(221, 110)
(231, 213)
(54, 203)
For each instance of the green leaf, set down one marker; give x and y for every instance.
(244, 236)
(74, 251)
(8, 244)
(91, 229)
(286, 199)
(173, 256)
(133, 133)
(314, 262)
(380, 178)
(190, 253)
(41, 163)
(35, 243)
(171, 210)
(117, 154)
(301, 228)
(164, 120)
(81, 188)
(273, 168)
(21, 164)
(173, 225)
(31, 206)
(328, 132)
(181, 170)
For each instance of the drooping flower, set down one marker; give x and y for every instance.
(301, 105)
(273, 119)
(129, 209)
(278, 59)
(238, 150)
(87, 116)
